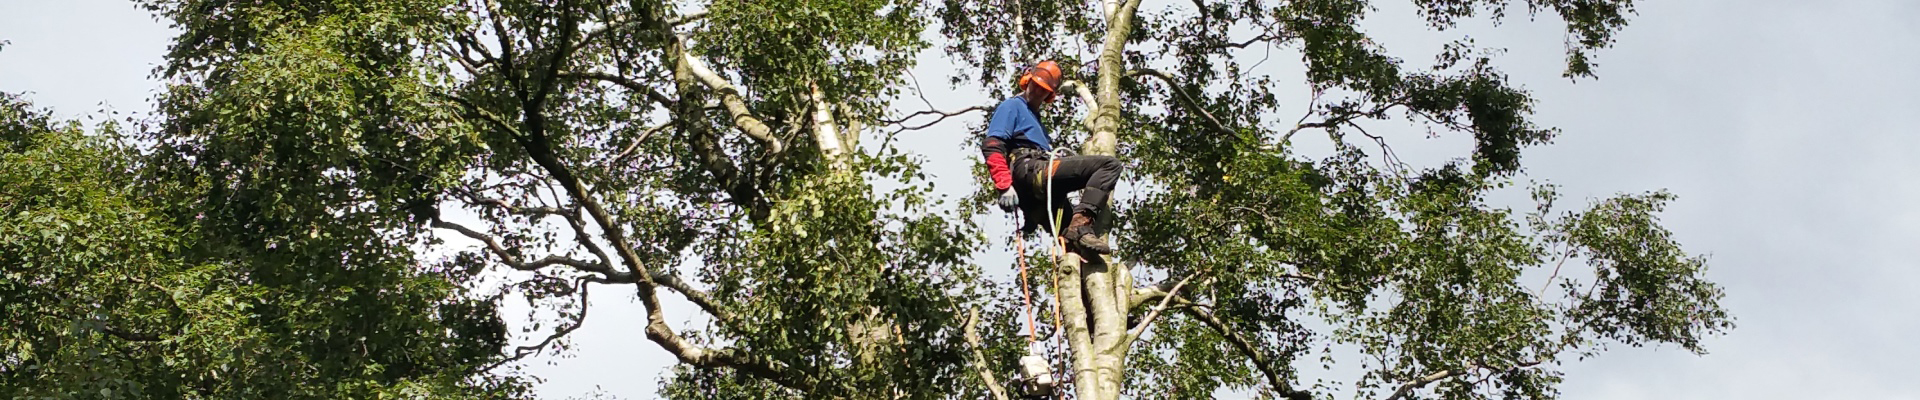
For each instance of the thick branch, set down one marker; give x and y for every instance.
(1109, 322)
(705, 143)
(1086, 96)
(1106, 113)
(971, 332)
(1155, 313)
(825, 133)
(703, 357)
(743, 118)
(695, 296)
(549, 79)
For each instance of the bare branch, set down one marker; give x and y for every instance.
(943, 117)
(1249, 42)
(1556, 271)
(1312, 105)
(523, 351)
(1144, 294)
(630, 84)
(580, 235)
(618, 24)
(494, 247)
(1386, 152)
(529, 211)
(1186, 99)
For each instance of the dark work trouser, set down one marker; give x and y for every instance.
(1093, 176)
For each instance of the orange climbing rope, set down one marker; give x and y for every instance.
(1020, 244)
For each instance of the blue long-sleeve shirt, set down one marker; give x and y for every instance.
(1014, 119)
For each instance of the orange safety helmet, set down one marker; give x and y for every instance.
(1046, 74)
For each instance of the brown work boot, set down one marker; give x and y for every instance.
(1080, 233)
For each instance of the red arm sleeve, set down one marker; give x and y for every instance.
(995, 151)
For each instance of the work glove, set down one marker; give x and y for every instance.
(1064, 152)
(1008, 200)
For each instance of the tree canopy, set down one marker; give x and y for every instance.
(114, 289)
(274, 227)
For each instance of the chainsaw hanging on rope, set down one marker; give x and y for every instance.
(1036, 374)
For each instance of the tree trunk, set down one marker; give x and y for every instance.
(1095, 292)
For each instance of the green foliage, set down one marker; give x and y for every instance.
(343, 128)
(837, 285)
(1412, 266)
(109, 294)
(309, 149)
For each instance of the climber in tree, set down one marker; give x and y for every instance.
(1018, 153)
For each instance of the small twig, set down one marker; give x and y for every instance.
(943, 116)
(523, 351)
(917, 90)
(1556, 271)
(1386, 152)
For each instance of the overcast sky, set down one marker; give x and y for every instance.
(1786, 128)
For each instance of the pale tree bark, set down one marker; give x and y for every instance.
(971, 332)
(693, 79)
(825, 133)
(1095, 293)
